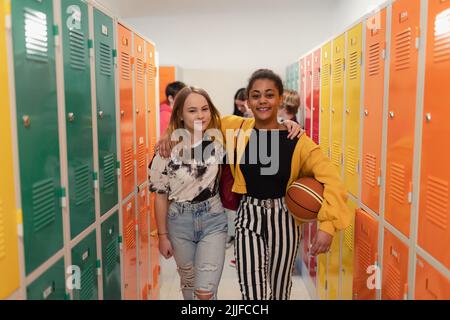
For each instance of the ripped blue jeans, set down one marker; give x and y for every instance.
(198, 233)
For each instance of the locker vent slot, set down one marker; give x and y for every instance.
(351, 160)
(82, 185)
(77, 50)
(325, 144)
(151, 74)
(393, 286)
(338, 69)
(43, 204)
(129, 162)
(436, 208)
(370, 164)
(140, 71)
(111, 257)
(403, 44)
(354, 63)
(125, 66)
(326, 75)
(374, 59)
(316, 80)
(348, 237)
(336, 154)
(36, 35)
(108, 171)
(398, 180)
(364, 254)
(2, 233)
(105, 59)
(130, 236)
(442, 37)
(141, 155)
(87, 282)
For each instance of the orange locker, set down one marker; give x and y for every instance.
(366, 255)
(308, 94)
(430, 283)
(129, 251)
(434, 211)
(126, 110)
(154, 251)
(301, 89)
(140, 107)
(373, 109)
(167, 74)
(143, 236)
(395, 268)
(151, 99)
(402, 106)
(316, 96)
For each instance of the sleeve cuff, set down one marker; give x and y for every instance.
(328, 227)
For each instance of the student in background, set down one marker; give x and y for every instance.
(290, 106)
(241, 108)
(165, 107)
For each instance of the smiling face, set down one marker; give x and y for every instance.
(196, 112)
(264, 100)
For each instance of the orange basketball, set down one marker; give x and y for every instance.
(304, 199)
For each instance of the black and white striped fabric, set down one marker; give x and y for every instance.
(267, 241)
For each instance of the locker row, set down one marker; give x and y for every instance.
(78, 126)
(374, 100)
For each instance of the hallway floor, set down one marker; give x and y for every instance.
(228, 288)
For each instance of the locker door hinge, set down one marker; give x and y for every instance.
(95, 178)
(99, 267)
(417, 43)
(342, 158)
(379, 181)
(120, 240)
(56, 35)
(358, 167)
(19, 217)
(118, 168)
(91, 48)
(326, 284)
(410, 193)
(63, 197)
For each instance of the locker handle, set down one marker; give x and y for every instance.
(392, 114)
(427, 287)
(366, 113)
(347, 111)
(137, 111)
(428, 117)
(71, 117)
(26, 121)
(100, 114)
(122, 113)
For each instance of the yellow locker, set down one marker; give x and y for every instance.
(337, 101)
(352, 109)
(9, 256)
(325, 94)
(333, 268)
(322, 276)
(347, 254)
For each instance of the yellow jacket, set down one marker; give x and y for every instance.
(307, 160)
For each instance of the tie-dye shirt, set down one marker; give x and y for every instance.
(185, 178)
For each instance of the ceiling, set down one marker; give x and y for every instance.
(139, 8)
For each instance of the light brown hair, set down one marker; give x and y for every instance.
(177, 113)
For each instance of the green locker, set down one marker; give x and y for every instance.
(106, 109)
(111, 258)
(37, 126)
(84, 256)
(49, 286)
(77, 87)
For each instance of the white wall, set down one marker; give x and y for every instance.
(218, 44)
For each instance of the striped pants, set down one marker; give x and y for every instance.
(266, 246)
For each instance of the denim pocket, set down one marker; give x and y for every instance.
(173, 212)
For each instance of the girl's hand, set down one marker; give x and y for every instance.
(295, 130)
(321, 243)
(165, 247)
(164, 146)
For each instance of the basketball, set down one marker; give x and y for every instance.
(304, 199)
